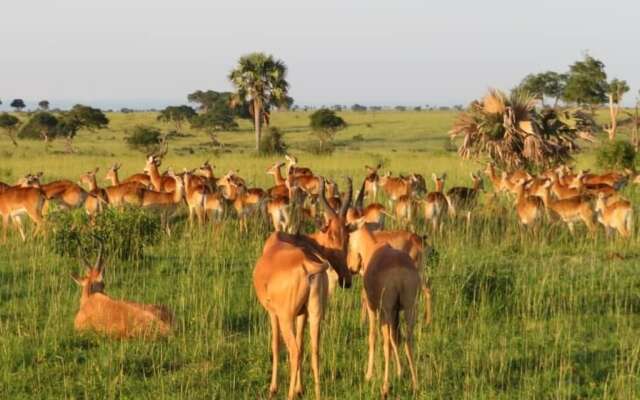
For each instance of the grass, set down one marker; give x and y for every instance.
(516, 315)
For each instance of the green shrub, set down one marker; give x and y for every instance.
(144, 138)
(272, 142)
(124, 233)
(616, 155)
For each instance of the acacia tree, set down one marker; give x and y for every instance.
(218, 118)
(177, 114)
(324, 124)
(586, 83)
(44, 105)
(617, 89)
(77, 118)
(260, 80)
(41, 125)
(18, 104)
(550, 84)
(9, 124)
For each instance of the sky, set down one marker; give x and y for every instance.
(151, 53)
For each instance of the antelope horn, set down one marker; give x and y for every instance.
(360, 199)
(323, 200)
(347, 202)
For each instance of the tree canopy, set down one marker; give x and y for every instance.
(546, 84)
(259, 79)
(9, 124)
(324, 124)
(41, 125)
(586, 82)
(44, 105)
(177, 114)
(18, 104)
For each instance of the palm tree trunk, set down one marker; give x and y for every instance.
(257, 119)
(613, 113)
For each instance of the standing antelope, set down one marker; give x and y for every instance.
(291, 283)
(391, 282)
(98, 197)
(160, 183)
(245, 201)
(116, 318)
(396, 187)
(436, 204)
(120, 194)
(16, 201)
(617, 215)
(373, 214)
(65, 193)
(165, 203)
(569, 210)
(530, 208)
(292, 161)
(280, 189)
(465, 198)
(371, 182)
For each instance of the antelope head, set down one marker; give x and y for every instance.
(92, 281)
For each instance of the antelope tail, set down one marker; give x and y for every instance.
(452, 209)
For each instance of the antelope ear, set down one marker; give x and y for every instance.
(433, 176)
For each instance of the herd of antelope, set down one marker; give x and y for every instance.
(296, 273)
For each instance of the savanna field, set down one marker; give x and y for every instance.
(516, 314)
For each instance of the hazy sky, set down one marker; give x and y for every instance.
(153, 52)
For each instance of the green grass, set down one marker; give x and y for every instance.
(515, 315)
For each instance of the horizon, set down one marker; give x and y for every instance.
(371, 53)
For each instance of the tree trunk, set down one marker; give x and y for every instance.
(257, 119)
(13, 139)
(635, 139)
(68, 144)
(613, 114)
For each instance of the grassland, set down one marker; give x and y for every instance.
(516, 315)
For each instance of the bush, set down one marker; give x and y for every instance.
(124, 233)
(272, 142)
(321, 148)
(616, 155)
(145, 139)
(358, 138)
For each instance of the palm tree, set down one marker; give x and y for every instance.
(260, 80)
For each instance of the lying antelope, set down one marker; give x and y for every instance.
(116, 318)
(391, 282)
(617, 215)
(291, 283)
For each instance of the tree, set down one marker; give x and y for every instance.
(616, 90)
(218, 118)
(146, 139)
(358, 107)
(206, 99)
(77, 118)
(550, 84)
(44, 105)
(260, 80)
(586, 83)
(41, 125)
(18, 104)
(511, 132)
(9, 124)
(177, 114)
(324, 124)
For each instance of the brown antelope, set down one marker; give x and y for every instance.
(373, 215)
(160, 183)
(245, 201)
(98, 197)
(617, 215)
(4, 187)
(391, 283)
(280, 189)
(560, 191)
(16, 201)
(291, 283)
(593, 189)
(64, 193)
(195, 194)
(569, 210)
(396, 187)
(165, 203)
(292, 161)
(405, 209)
(496, 181)
(116, 318)
(371, 182)
(465, 199)
(436, 204)
(615, 180)
(530, 208)
(126, 193)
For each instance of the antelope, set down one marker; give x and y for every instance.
(436, 204)
(97, 196)
(280, 189)
(65, 193)
(391, 283)
(615, 180)
(244, 200)
(205, 171)
(530, 208)
(164, 202)
(373, 215)
(496, 180)
(561, 191)
(120, 194)
(292, 161)
(371, 182)
(116, 318)
(4, 187)
(291, 283)
(159, 182)
(465, 198)
(396, 187)
(617, 215)
(594, 188)
(16, 201)
(405, 209)
(195, 195)
(569, 210)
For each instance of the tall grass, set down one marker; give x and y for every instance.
(516, 314)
